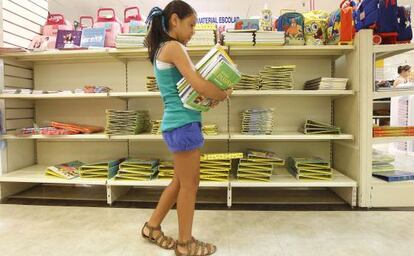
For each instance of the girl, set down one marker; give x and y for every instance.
(170, 30)
(404, 73)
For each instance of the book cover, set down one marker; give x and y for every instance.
(65, 171)
(93, 38)
(392, 176)
(67, 39)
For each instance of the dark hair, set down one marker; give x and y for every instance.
(403, 68)
(157, 33)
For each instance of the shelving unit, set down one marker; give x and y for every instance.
(375, 192)
(125, 72)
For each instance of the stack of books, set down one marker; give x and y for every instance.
(166, 170)
(203, 37)
(217, 167)
(269, 38)
(310, 168)
(156, 127)
(400, 87)
(126, 122)
(65, 171)
(316, 127)
(393, 176)
(393, 131)
(382, 162)
(102, 169)
(258, 166)
(152, 85)
(257, 121)
(210, 129)
(247, 82)
(132, 40)
(277, 78)
(138, 169)
(326, 83)
(239, 37)
(217, 67)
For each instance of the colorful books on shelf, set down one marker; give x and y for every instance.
(68, 39)
(203, 37)
(126, 122)
(393, 176)
(221, 156)
(247, 82)
(245, 37)
(138, 169)
(258, 166)
(130, 40)
(269, 38)
(93, 38)
(65, 171)
(217, 67)
(277, 78)
(152, 85)
(102, 169)
(257, 121)
(166, 170)
(310, 168)
(326, 83)
(393, 131)
(77, 128)
(156, 127)
(210, 129)
(217, 167)
(28, 131)
(316, 127)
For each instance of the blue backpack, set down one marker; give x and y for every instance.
(292, 23)
(405, 32)
(366, 14)
(387, 16)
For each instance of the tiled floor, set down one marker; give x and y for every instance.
(59, 230)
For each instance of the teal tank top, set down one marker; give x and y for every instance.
(175, 114)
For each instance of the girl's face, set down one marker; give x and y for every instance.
(406, 73)
(184, 28)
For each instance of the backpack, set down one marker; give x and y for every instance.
(366, 15)
(387, 17)
(316, 23)
(133, 23)
(111, 24)
(340, 24)
(405, 32)
(54, 23)
(292, 23)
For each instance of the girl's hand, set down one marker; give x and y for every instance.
(229, 92)
(214, 103)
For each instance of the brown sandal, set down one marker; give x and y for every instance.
(159, 239)
(206, 249)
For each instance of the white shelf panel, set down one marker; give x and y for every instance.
(161, 183)
(305, 50)
(384, 140)
(285, 179)
(134, 94)
(36, 174)
(290, 136)
(315, 93)
(54, 96)
(386, 51)
(381, 95)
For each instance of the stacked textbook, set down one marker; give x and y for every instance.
(203, 37)
(257, 121)
(393, 131)
(217, 67)
(65, 171)
(258, 166)
(310, 168)
(270, 38)
(102, 169)
(156, 127)
(133, 40)
(239, 37)
(217, 167)
(277, 77)
(138, 169)
(383, 168)
(210, 129)
(166, 170)
(247, 82)
(326, 83)
(126, 122)
(316, 127)
(152, 85)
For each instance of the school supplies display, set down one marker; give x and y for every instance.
(340, 24)
(217, 167)
(269, 38)
(77, 128)
(316, 127)
(64, 171)
(138, 169)
(310, 168)
(247, 82)
(203, 37)
(152, 85)
(210, 129)
(111, 25)
(130, 40)
(316, 23)
(292, 24)
(93, 38)
(217, 67)
(102, 169)
(156, 127)
(126, 122)
(257, 121)
(326, 83)
(239, 37)
(393, 131)
(277, 78)
(166, 170)
(68, 39)
(258, 166)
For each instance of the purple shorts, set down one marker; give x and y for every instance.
(184, 138)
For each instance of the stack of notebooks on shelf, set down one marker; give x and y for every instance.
(257, 121)
(277, 78)
(247, 82)
(210, 129)
(310, 168)
(400, 87)
(239, 37)
(101, 169)
(166, 170)
(65, 171)
(203, 37)
(382, 162)
(132, 40)
(217, 167)
(258, 166)
(269, 38)
(393, 131)
(126, 122)
(152, 85)
(316, 127)
(326, 83)
(156, 127)
(138, 169)
(217, 67)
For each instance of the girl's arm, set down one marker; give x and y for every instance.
(173, 52)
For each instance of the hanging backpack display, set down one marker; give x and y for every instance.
(405, 31)
(316, 23)
(133, 23)
(293, 25)
(54, 23)
(111, 24)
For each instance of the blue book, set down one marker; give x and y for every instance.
(93, 38)
(392, 176)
